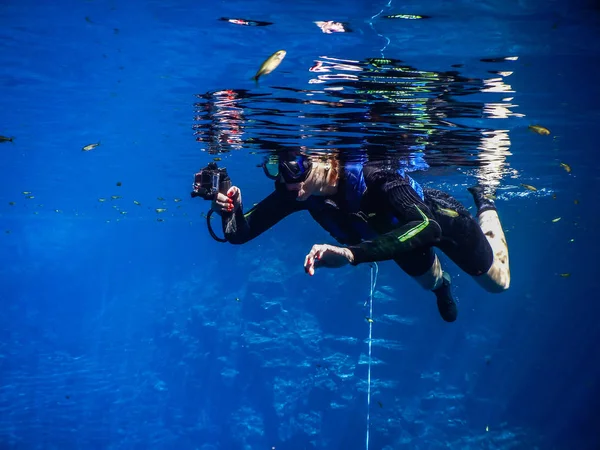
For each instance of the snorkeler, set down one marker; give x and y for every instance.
(378, 213)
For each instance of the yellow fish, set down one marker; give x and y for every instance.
(566, 167)
(556, 220)
(270, 64)
(539, 130)
(565, 275)
(448, 212)
(529, 187)
(89, 147)
(368, 319)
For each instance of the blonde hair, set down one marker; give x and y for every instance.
(333, 172)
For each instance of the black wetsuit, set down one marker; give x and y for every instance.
(391, 222)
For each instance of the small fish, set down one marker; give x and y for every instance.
(101, 200)
(406, 17)
(160, 199)
(135, 202)
(89, 147)
(576, 202)
(539, 130)
(115, 197)
(29, 196)
(246, 22)
(448, 212)
(380, 404)
(26, 193)
(237, 299)
(176, 200)
(217, 159)
(160, 210)
(529, 187)
(368, 319)
(270, 64)
(6, 139)
(123, 212)
(160, 220)
(556, 220)
(330, 26)
(119, 184)
(565, 275)
(487, 428)
(566, 167)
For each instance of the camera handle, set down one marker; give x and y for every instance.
(210, 230)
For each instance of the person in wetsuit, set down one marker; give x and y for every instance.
(378, 213)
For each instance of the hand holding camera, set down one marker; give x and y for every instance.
(229, 202)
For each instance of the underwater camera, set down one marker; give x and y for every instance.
(207, 184)
(210, 181)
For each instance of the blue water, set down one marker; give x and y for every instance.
(127, 328)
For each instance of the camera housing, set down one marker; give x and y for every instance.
(209, 181)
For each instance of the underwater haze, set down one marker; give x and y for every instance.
(124, 325)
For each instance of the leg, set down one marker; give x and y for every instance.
(432, 279)
(425, 268)
(477, 246)
(497, 278)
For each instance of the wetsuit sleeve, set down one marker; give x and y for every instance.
(240, 228)
(416, 225)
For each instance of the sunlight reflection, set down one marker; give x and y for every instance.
(495, 148)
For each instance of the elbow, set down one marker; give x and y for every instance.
(235, 240)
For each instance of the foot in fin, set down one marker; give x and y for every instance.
(445, 303)
(483, 200)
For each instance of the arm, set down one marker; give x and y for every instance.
(240, 228)
(417, 228)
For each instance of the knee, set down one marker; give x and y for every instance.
(494, 283)
(499, 288)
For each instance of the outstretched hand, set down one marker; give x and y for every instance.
(323, 255)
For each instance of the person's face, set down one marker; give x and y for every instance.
(315, 183)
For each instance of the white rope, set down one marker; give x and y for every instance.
(388, 5)
(374, 273)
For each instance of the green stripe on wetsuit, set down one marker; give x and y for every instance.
(407, 237)
(416, 229)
